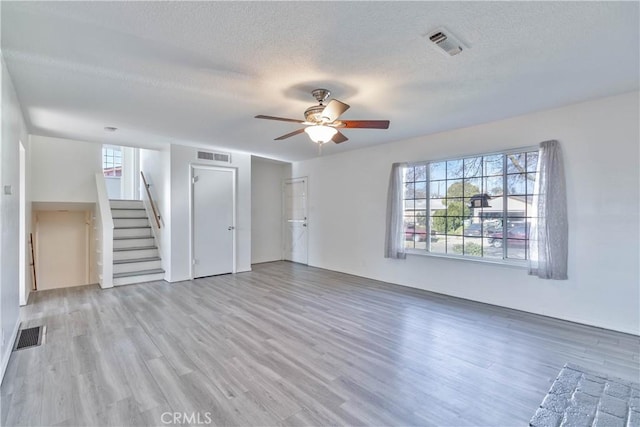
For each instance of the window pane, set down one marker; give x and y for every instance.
(529, 206)
(438, 207)
(532, 161)
(493, 165)
(516, 163)
(409, 174)
(421, 173)
(409, 190)
(409, 223)
(454, 188)
(437, 170)
(454, 206)
(531, 182)
(420, 241)
(421, 190)
(513, 223)
(473, 186)
(421, 204)
(516, 206)
(473, 229)
(473, 167)
(493, 186)
(438, 188)
(492, 248)
(454, 169)
(517, 184)
(473, 246)
(454, 245)
(438, 241)
(516, 249)
(454, 226)
(409, 205)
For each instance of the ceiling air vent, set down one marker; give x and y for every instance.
(218, 157)
(445, 42)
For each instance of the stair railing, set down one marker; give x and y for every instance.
(156, 214)
(104, 234)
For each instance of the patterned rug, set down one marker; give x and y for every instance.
(579, 397)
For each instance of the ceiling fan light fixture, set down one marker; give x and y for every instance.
(320, 134)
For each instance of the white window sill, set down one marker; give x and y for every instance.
(520, 265)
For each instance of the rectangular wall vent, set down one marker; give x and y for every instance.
(218, 157)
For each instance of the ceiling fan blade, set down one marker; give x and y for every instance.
(365, 124)
(289, 135)
(333, 110)
(282, 119)
(339, 137)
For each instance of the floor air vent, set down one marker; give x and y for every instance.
(29, 337)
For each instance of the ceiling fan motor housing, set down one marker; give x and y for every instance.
(314, 114)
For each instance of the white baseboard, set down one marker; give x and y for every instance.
(7, 354)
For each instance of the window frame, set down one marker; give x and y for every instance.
(504, 261)
(109, 159)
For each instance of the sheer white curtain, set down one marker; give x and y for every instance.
(394, 242)
(548, 236)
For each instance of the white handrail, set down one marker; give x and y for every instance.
(104, 233)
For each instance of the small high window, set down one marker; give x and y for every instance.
(111, 161)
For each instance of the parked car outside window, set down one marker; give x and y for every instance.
(516, 235)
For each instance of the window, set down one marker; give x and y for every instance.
(479, 206)
(111, 161)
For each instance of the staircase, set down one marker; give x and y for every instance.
(135, 255)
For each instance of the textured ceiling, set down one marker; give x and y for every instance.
(197, 73)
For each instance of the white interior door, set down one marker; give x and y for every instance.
(296, 230)
(213, 226)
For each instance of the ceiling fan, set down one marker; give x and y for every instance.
(322, 120)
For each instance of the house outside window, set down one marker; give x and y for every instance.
(472, 207)
(111, 161)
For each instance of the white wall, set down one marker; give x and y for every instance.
(130, 173)
(266, 208)
(13, 131)
(156, 166)
(600, 142)
(63, 170)
(114, 187)
(182, 158)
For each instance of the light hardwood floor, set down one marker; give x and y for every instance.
(292, 345)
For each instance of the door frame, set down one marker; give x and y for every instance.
(22, 227)
(285, 224)
(234, 173)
